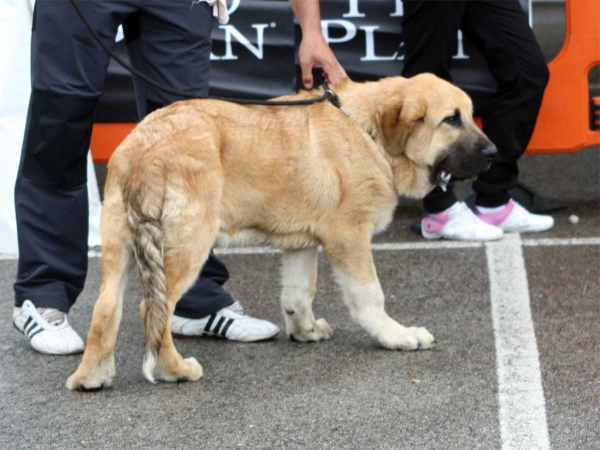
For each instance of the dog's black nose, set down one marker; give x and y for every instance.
(490, 152)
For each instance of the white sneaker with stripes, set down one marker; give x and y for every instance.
(47, 330)
(229, 323)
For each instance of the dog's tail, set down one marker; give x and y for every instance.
(144, 193)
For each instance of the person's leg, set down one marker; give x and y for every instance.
(430, 31)
(500, 31)
(68, 70)
(172, 44)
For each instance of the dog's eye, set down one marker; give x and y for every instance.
(452, 120)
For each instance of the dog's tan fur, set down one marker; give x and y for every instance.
(297, 177)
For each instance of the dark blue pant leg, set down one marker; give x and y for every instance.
(206, 296)
(68, 71)
(171, 43)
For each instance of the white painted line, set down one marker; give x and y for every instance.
(383, 246)
(435, 245)
(523, 422)
(246, 251)
(393, 246)
(555, 241)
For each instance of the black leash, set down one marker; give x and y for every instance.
(328, 95)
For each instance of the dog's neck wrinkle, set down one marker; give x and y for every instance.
(359, 101)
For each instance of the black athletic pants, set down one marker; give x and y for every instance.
(170, 41)
(499, 30)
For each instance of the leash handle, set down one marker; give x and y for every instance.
(242, 101)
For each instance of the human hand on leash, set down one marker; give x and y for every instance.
(315, 52)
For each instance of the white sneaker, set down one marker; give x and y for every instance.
(229, 323)
(47, 330)
(458, 223)
(513, 218)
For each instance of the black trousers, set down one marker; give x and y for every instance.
(499, 30)
(169, 41)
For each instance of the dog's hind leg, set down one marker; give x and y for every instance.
(299, 284)
(97, 367)
(190, 227)
(356, 275)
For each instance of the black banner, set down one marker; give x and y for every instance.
(255, 54)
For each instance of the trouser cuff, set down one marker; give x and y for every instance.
(437, 200)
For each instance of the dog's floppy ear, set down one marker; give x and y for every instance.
(397, 122)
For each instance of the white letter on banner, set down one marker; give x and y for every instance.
(370, 46)
(354, 10)
(235, 4)
(460, 54)
(231, 31)
(349, 26)
(399, 9)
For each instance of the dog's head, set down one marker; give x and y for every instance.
(429, 123)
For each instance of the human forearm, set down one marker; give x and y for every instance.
(308, 14)
(314, 50)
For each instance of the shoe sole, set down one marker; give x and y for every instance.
(532, 230)
(430, 236)
(439, 237)
(218, 336)
(46, 353)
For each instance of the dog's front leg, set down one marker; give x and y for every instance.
(358, 280)
(299, 284)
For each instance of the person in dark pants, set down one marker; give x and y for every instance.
(499, 30)
(171, 42)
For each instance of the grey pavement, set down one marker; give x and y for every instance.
(346, 393)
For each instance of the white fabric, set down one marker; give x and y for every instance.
(15, 34)
(219, 9)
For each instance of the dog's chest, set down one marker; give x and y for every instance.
(384, 215)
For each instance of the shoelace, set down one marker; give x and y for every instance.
(51, 315)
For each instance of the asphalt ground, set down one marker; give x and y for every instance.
(466, 393)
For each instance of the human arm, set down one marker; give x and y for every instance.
(314, 50)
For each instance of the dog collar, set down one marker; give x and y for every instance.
(333, 98)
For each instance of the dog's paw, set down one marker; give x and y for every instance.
(188, 369)
(424, 338)
(400, 338)
(90, 382)
(319, 331)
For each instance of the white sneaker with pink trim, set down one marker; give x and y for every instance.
(513, 218)
(458, 223)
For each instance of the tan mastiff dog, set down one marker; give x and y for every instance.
(296, 177)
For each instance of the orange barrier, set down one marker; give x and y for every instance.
(106, 137)
(563, 125)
